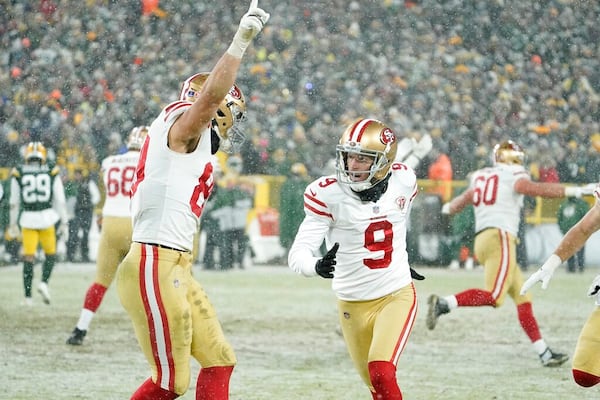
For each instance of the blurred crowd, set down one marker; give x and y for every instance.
(78, 75)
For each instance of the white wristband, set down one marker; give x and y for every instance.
(572, 191)
(238, 47)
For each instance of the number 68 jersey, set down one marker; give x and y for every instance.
(372, 260)
(118, 173)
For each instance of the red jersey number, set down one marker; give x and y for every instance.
(118, 181)
(202, 190)
(485, 190)
(384, 243)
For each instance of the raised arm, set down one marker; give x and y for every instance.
(186, 131)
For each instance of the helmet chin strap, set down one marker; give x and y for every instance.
(215, 139)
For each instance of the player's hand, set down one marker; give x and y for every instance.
(594, 290)
(416, 276)
(13, 231)
(589, 189)
(326, 265)
(63, 230)
(250, 25)
(446, 209)
(405, 147)
(544, 274)
(578, 191)
(423, 146)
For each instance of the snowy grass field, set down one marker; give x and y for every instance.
(283, 327)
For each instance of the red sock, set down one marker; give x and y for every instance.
(151, 391)
(474, 298)
(383, 379)
(94, 297)
(585, 379)
(528, 322)
(213, 383)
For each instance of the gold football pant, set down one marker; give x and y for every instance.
(115, 240)
(587, 351)
(378, 330)
(171, 314)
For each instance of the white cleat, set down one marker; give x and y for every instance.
(27, 301)
(43, 290)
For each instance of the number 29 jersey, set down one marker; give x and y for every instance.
(372, 260)
(39, 192)
(495, 201)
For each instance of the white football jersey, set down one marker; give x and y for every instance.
(372, 260)
(496, 203)
(170, 189)
(118, 172)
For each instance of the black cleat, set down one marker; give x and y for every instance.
(437, 307)
(552, 359)
(76, 338)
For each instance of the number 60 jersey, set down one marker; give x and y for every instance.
(372, 260)
(496, 203)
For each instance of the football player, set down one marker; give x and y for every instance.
(496, 194)
(586, 360)
(115, 235)
(362, 213)
(37, 204)
(171, 314)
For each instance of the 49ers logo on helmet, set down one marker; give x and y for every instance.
(387, 136)
(235, 92)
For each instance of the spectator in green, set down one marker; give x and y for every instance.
(230, 206)
(462, 228)
(291, 204)
(570, 212)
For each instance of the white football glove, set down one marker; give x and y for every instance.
(405, 147)
(573, 191)
(13, 231)
(594, 290)
(544, 274)
(588, 190)
(446, 209)
(250, 25)
(423, 146)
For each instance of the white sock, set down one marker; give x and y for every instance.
(85, 319)
(540, 346)
(452, 302)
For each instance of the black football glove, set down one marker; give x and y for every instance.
(415, 275)
(326, 265)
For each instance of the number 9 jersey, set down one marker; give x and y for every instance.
(372, 260)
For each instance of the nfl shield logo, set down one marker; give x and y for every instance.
(401, 201)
